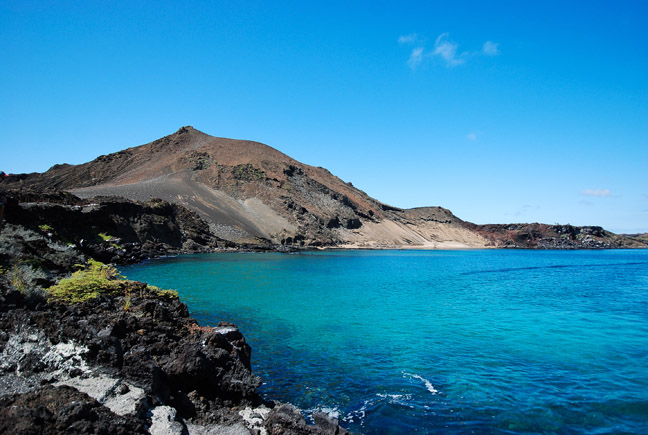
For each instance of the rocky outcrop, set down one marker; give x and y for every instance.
(114, 346)
(132, 361)
(49, 410)
(542, 236)
(45, 234)
(112, 230)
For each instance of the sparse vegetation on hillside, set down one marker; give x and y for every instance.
(110, 239)
(247, 172)
(198, 160)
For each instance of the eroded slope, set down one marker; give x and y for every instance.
(250, 192)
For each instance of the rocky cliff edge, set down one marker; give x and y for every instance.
(129, 358)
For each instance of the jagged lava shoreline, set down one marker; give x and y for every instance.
(132, 361)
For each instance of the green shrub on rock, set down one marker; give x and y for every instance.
(46, 228)
(95, 279)
(168, 294)
(18, 280)
(161, 293)
(87, 283)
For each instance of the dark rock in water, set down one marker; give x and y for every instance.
(286, 419)
(328, 424)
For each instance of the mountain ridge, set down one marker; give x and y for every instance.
(250, 192)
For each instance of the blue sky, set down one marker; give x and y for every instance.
(500, 111)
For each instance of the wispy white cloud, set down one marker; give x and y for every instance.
(444, 49)
(416, 57)
(471, 136)
(490, 48)
(447, 50)
(408, 39)
(596, 192)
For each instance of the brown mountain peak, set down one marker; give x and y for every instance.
(250, 191)
(186, 129)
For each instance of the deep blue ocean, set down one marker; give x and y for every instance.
(492, 341)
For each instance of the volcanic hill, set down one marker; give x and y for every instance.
(250, 192)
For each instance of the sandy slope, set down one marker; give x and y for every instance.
(249, 191)
(232, 219)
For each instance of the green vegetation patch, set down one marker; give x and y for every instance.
(105, 237)
(46, 228)
(167, 294)
(88, 283)
(18, 281)
(247, 172)
(198, 160)
(95, 279)
(109, 239)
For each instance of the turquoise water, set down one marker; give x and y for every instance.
(492, 341)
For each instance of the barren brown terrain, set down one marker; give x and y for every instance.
(250, 192)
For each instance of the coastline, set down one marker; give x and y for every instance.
(44, 238)
(129, 360)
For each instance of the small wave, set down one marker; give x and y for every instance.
(394, 396)
(428, 384)
(396, 399)
(358, 414)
